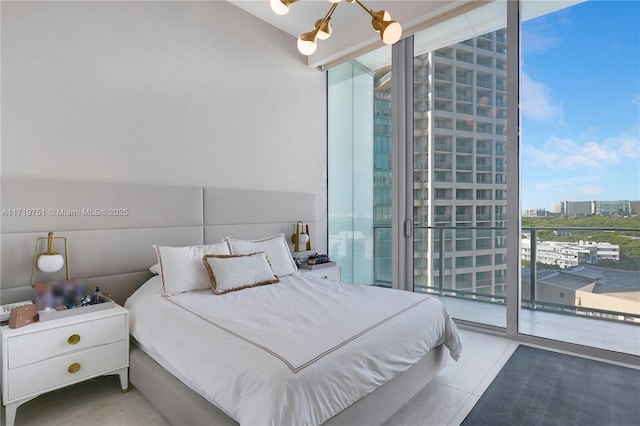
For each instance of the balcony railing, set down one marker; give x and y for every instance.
(438, 271)
(544, 287)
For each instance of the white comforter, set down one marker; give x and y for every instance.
(294, 353)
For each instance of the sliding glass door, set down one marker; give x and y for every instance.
(459, 163)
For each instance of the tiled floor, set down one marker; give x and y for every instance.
(598, 333)
(452, 394)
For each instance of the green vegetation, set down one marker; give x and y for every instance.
(629, 241)
(582, 222)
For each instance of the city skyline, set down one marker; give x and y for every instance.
(581, 105)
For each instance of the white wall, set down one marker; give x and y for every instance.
(178, 93)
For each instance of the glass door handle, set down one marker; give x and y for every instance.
(408, 228)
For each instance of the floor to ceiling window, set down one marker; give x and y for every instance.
(459, 163)
(359, 177)
(580, 106)
(520, 134)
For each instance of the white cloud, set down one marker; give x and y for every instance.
(629, 147)
(539, 36)
(564, 153)
(537, 103)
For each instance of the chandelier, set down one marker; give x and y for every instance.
(390, 31)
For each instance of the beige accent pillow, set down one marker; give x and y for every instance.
(181, 267)
(276, 248)
(237, 272)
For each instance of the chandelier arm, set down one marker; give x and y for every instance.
(369, 11)
(316, 29)
(330, 12)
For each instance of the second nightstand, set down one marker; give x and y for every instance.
(49, 355)
(331, 272)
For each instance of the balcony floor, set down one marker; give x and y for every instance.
(603, 334)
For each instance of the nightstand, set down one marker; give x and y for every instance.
(330, 273)
(49, 355)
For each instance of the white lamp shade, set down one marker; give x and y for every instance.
(304, 239)
(306, 47)
(391, 32)
(278, 7)
(50, 262)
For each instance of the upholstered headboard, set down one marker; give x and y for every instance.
(110, 227)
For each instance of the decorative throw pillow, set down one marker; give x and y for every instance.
(277, 250)
(181, 267)
(237, 272)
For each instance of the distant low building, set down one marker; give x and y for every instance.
(539, 213)
(569, 254)
(605, 251)
(577, 208)
(596, 207)
(590, 290)
(611, 208)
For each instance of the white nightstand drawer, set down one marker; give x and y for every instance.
(55, 372)
(33, 347)
(330, 273)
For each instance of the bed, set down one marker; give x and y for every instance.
(301, 351)
(114, 252)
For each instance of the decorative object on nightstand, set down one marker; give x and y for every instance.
(50, 261)
(53, 354)
(319, 265)
(67, 298)
(23, 315)
(323, 265)
(301, 237)
(5, 310)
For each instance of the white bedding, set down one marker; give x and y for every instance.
(296, 352)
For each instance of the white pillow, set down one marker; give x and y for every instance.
(181, 268)
(277, 251)
(237, 272)
(155, 269)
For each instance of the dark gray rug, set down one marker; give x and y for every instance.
(539, 387)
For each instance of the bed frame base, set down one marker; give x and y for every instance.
(181, 405)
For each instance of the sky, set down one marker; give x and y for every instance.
(580, 104)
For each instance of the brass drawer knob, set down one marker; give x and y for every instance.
(74, 339)
(74, 368)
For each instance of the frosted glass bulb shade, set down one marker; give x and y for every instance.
(304, 239)
(50, 263)
(390, 32)
(337, 1)
(281, 7)
(306, 47)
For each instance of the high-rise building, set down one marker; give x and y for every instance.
(459, 167)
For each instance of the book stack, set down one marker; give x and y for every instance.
(326, 264)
